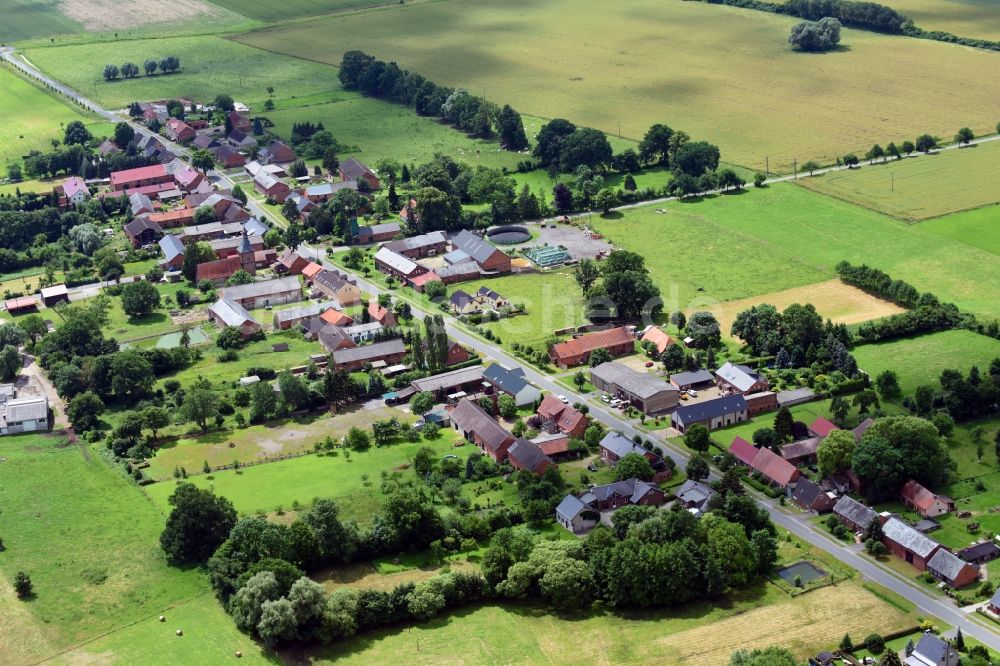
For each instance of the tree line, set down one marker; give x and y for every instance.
(130, 70)
(475, 115)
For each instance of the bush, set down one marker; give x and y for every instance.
(22, 585)
(875, 644)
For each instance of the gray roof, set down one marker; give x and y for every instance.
(620, 444)
(354, 168)
(331, 279)
(212, 228)
(171, 246)
(138, 202)
(527, 453)
(692, 377)
(258, 289)
(739, 376)
(473, 245)
(470, 417)
(854, 511)
(368, 352)
(933, 649)
(800, 449)
(245, 246)
(994, 600)
(460, 299)
(695, 492)
(947, 564)
(255, 227)
(140, 224)
(571, 507)
(795, 396)
(711, 409)
(508, 380)
(806, 492)
(466, 268)
(395, 261)
(909, 538)
(457, 257)
(633, 489)
(640, 384)
(31, 408)
(979, 551)
(376, 229)
(310, 310)
(415, 242)
(862, 428)
(449, 379)
(231, 313)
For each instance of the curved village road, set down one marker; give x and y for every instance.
(970, 623)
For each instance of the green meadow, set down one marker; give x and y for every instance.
(978, 228)
(282, 10)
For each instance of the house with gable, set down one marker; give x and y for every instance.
(513, 382)
(951, 569)
(932, 651)
(811, 497)
(560, 417)
(855, 515)
(616, 446)
(617, 341)
(732, 378)
(924, 502)
(482, 430)
(490, 259)
(908, 544)
(525, 454)
(354, 169)
(713, 414)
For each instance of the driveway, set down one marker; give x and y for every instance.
(38, 383)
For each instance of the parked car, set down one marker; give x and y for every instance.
(563, 399)
(605, 398)
(649, 364)
(692, 393)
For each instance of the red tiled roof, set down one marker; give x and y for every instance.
(550, 407)
(774, 467)
(822, 427)
(588, 342)
(311, 269)
(421, 280)
(567, 418)
(336, 317)
(744, 451)
(381, 314)
(917, 495)
(551, 447)
(658, 337)
(219, 269)
(172, 216)
(141, 173)
(20, 303)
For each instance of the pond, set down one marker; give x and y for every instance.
(804, 571)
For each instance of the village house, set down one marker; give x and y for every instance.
(384, 316)
(54, 295)
(142, 231)
(525, 454)
(286, 319)
(611, 496)
(658, 337)
(776, 470)
(743, 451)
(178, 130)
(337, 286)
(261, 294)
(354, 169)
(419, 247)
(352, 360)
(229, 247)
(732, 378)
(512, 382)
(376, 233)
(801, 452)
(244, 258)
(576, 516)
(205, 141)
(932, 651)
(822, 427)
(24, 414)
(290, 262)
(366, 332)
(173, 253)
(855, 515)
(491, 261)
(240, 140)
(253, 167)
(269, 186)
(277, 152)
(73, 192)
(692, 380)
(924, 502)
(712, 414)
(310, 271)
(558, 416)
(228, 157)
(225, 312)
(695, 496)
(617, 341)
(335, 317)
(140, 204)
(331, 338)
(644, 391)
(482, 430)
(907, 543)
(141, 176)
(482, 301)
(952, 570)
(239, 120)
(169, 219)
(397, 265)
(616, 446)
(811, 497)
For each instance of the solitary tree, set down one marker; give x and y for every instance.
(139, 298)
(697, 469)
(964, 136)
(810, 166)
(22, 585)
(697, 438)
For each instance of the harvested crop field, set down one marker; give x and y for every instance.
(919, 188)
(833, 299)
(698, 634)
(104, 15)
(720, 73)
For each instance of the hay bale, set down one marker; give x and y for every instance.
(163, 619)
(179, 632)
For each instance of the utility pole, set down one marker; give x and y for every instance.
(619, 129)
(767, 166)
(795, 170)
(892, 175)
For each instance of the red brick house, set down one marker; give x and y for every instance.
(952, 570)
(240, 120)
(616, 446)
(811, 497)
(178, 130)
(353, 169)
(272, 187)
(618, 342)
(482, 430)
(381, 314)
(924, 502)
(557, 415)
(140, 177)
(765, 401)
(277, 152)
(627, 491)
(143, 231)
(854, 514)
(168, 219)
(908, 544)
(397, 265)
(775, 469)
(525, 454)
(291, 262)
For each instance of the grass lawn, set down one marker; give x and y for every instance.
(696, 634)
(259, 442)
(40, 186)
(917, 189)
(32, 117)
(921, 359)
(784, 236)
(255, 354)
(977, 228)
(278, 484)
(209, 66)
(641, 62)
(89, 540)
(24, 19)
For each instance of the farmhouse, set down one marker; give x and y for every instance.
(615, 446)
(27, 414)
(335, 317)
(261, 294)
(173, 252)
(512, 382)
(142, 176)
(240, 140)
(802, 452)
(483, 300)
(380, 314)
(227, 157)
(646, 392)
(72, 192)
(271, 187)
(743, 451)
(338, 287)
(822, 427)
(658, 337)
(172, 218)
(924, 502)
(354, 169)
(695, 496)
(951, 570)
(617, 341)
(290, 262)
(397, 265)
(713, 414)
(611, 496)
(225, 312)
(139, 204)
(732, 378)
(376, 233)
(391, 351)
(908, 544)
(142, 231)
(933, 651)
(490, 259)
(854, 514)
(576, 516)
(482, 430)
(811, 497)
(696, 379)
(525, 454)
(560, 417)
(178, 130)
(778, 471)
(418, 247)
(277, 152)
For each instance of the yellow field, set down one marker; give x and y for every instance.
(697, 635)
(918, 189)
(834, 300)
(965, 18)
(720, 73)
